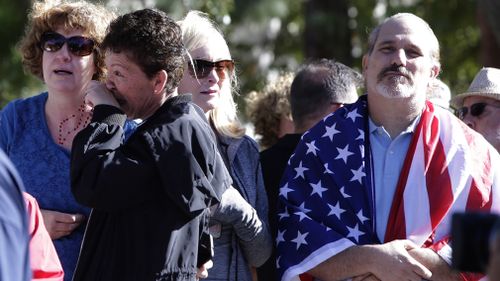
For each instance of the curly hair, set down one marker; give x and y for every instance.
(265, 109)
(50, 15)
(197, 31)
(152, 40)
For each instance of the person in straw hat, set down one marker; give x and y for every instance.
(479, 106)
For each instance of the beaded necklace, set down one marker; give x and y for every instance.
(82, 122)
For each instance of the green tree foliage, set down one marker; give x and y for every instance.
(268, 36)
(13, 82)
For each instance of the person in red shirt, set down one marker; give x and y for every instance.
(45, 264)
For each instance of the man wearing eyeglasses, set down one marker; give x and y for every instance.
(479, 106)
(370, 190)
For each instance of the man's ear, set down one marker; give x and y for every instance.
(436, 68)
(364, 62)
(160, 81)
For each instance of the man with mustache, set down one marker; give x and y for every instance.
(370, 190)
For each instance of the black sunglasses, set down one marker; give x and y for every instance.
(202, 68)
(78, 45)
(475, 110)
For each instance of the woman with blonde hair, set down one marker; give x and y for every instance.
(61, 47)
(239, 224)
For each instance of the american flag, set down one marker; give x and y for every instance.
(326, 198)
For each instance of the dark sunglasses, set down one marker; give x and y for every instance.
(475, 110)
(202, 68)
(77, 45)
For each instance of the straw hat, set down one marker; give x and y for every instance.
(486, 84)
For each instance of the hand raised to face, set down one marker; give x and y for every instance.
(97, 93)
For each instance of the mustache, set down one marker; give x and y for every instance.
(394, 68)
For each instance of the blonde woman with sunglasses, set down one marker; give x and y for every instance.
(239, 224)
(60, 47)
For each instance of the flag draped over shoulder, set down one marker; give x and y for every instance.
(326, 198)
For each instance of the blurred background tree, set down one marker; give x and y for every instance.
(266, 36)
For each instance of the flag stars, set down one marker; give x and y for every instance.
(335, 210)
(344, 153)
(283, 215)
(342, 191)
(300, 239)
(301, 215)
(361, 135)
(358, 174)
(326, 227)
(302, 211)
(284, 190)
(300, 171)
(317, 189)
(327, 170)
(353, 115)
(331, 131)
(280, 237)
(353, 233)
(361, 217)
(311, 148)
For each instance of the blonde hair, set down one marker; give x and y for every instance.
(197, 31)
(50, 15)
(265, 109)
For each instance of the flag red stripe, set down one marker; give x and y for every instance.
(480, 191)
(305, 277)
(437, 177)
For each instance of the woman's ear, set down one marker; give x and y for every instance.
(160, 81)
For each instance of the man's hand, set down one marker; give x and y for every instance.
(61, 224)
(392, 261)
(97, 93)
(440, 269)
(388, 262)
(203, 270)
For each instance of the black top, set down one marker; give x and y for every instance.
(149, 195)
(274, 161)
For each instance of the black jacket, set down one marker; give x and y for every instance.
(149, 195)
(274, 161)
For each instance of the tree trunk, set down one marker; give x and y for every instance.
(327, 34)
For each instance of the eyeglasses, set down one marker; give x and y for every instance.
(77, 45)
(475, 110)
(202, 68)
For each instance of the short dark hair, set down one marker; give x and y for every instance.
(152, 40)
(318, 84)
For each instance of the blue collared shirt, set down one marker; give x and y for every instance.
(388, 158)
